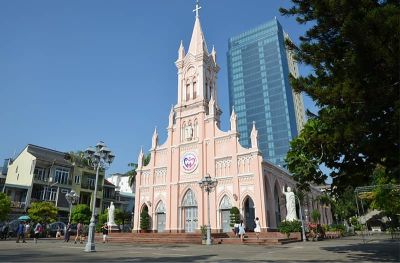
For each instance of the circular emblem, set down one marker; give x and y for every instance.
(189, 162)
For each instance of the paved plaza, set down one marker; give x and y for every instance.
(350, 249)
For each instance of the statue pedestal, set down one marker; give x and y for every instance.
(113, 228)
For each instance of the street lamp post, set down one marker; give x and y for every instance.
(99, 157)
(301, 219)
(207, 184)
(72, 198)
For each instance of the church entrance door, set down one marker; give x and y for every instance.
(161, 222)
(190, 219)
(226, 220)
(249, 213)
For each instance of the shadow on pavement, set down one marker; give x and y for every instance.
(380, 251)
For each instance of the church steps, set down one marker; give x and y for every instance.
(266, 238)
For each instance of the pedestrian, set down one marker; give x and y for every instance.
(241, 230)
(104, 229)
(27, 230)
(67, 233)
(38, 230)
(257, 230)
(58, 233)
(4, 231)
(236, 228)
(21, 232)
(79, 232)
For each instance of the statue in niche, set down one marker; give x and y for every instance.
(189, 132)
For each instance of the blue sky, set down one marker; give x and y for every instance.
(75, 72)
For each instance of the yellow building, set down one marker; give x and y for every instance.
(41, 174)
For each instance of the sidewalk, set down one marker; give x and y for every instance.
(351, 249)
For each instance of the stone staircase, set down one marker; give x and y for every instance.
(267, 238)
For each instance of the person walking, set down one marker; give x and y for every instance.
(38, 230)
(257, 230)
(58, 233)
(21, 232)
(27, 230)
(241, 230)
(104, 229)
(79, 233)
(236, 228)
(67, 233)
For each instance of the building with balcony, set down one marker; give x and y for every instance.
(40, 174)
(108, 194)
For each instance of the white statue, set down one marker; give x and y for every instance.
(189, 132)
(111, 211)
(290, 204)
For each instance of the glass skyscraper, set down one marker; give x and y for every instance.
(259, 89)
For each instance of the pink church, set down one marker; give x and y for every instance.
(196, 146)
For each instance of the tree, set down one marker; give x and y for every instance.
(78, 158)
(121, 216)
(103, 217)
(144, 219)
(81, 213)
(43, 212)
(235, 216)
(352, 47)
(5, 206)
(132, 173)
(386, 196)
(344, 206)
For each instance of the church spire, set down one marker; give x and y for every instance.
(197, 43)
(181, 51)
(254, 136)
(233, 120)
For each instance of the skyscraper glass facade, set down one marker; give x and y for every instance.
(259, 89)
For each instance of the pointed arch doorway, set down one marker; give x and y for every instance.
(161, 217)
(225, 210)
(249, 213)
(189, 207)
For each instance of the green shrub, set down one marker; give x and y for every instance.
(203, 230)
(288, 227)
(235, 216)
(315, 215)
(144, 219)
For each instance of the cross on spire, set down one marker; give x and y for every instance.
(198, 7)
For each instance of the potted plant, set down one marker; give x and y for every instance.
(203, 230)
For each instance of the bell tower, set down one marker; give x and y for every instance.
(197, 72)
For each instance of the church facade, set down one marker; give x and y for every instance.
(195, 147)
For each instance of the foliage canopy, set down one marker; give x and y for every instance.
(5, 206)
(353, 49)
(81, 213)
(43, 212)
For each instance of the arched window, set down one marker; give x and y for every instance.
(187, 91)
(160, 207)
(189, 199)
(194, 88)
(225, 203)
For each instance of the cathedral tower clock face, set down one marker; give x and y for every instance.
(189, 162)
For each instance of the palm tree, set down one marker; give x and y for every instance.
(325, 201)
(132, 173)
